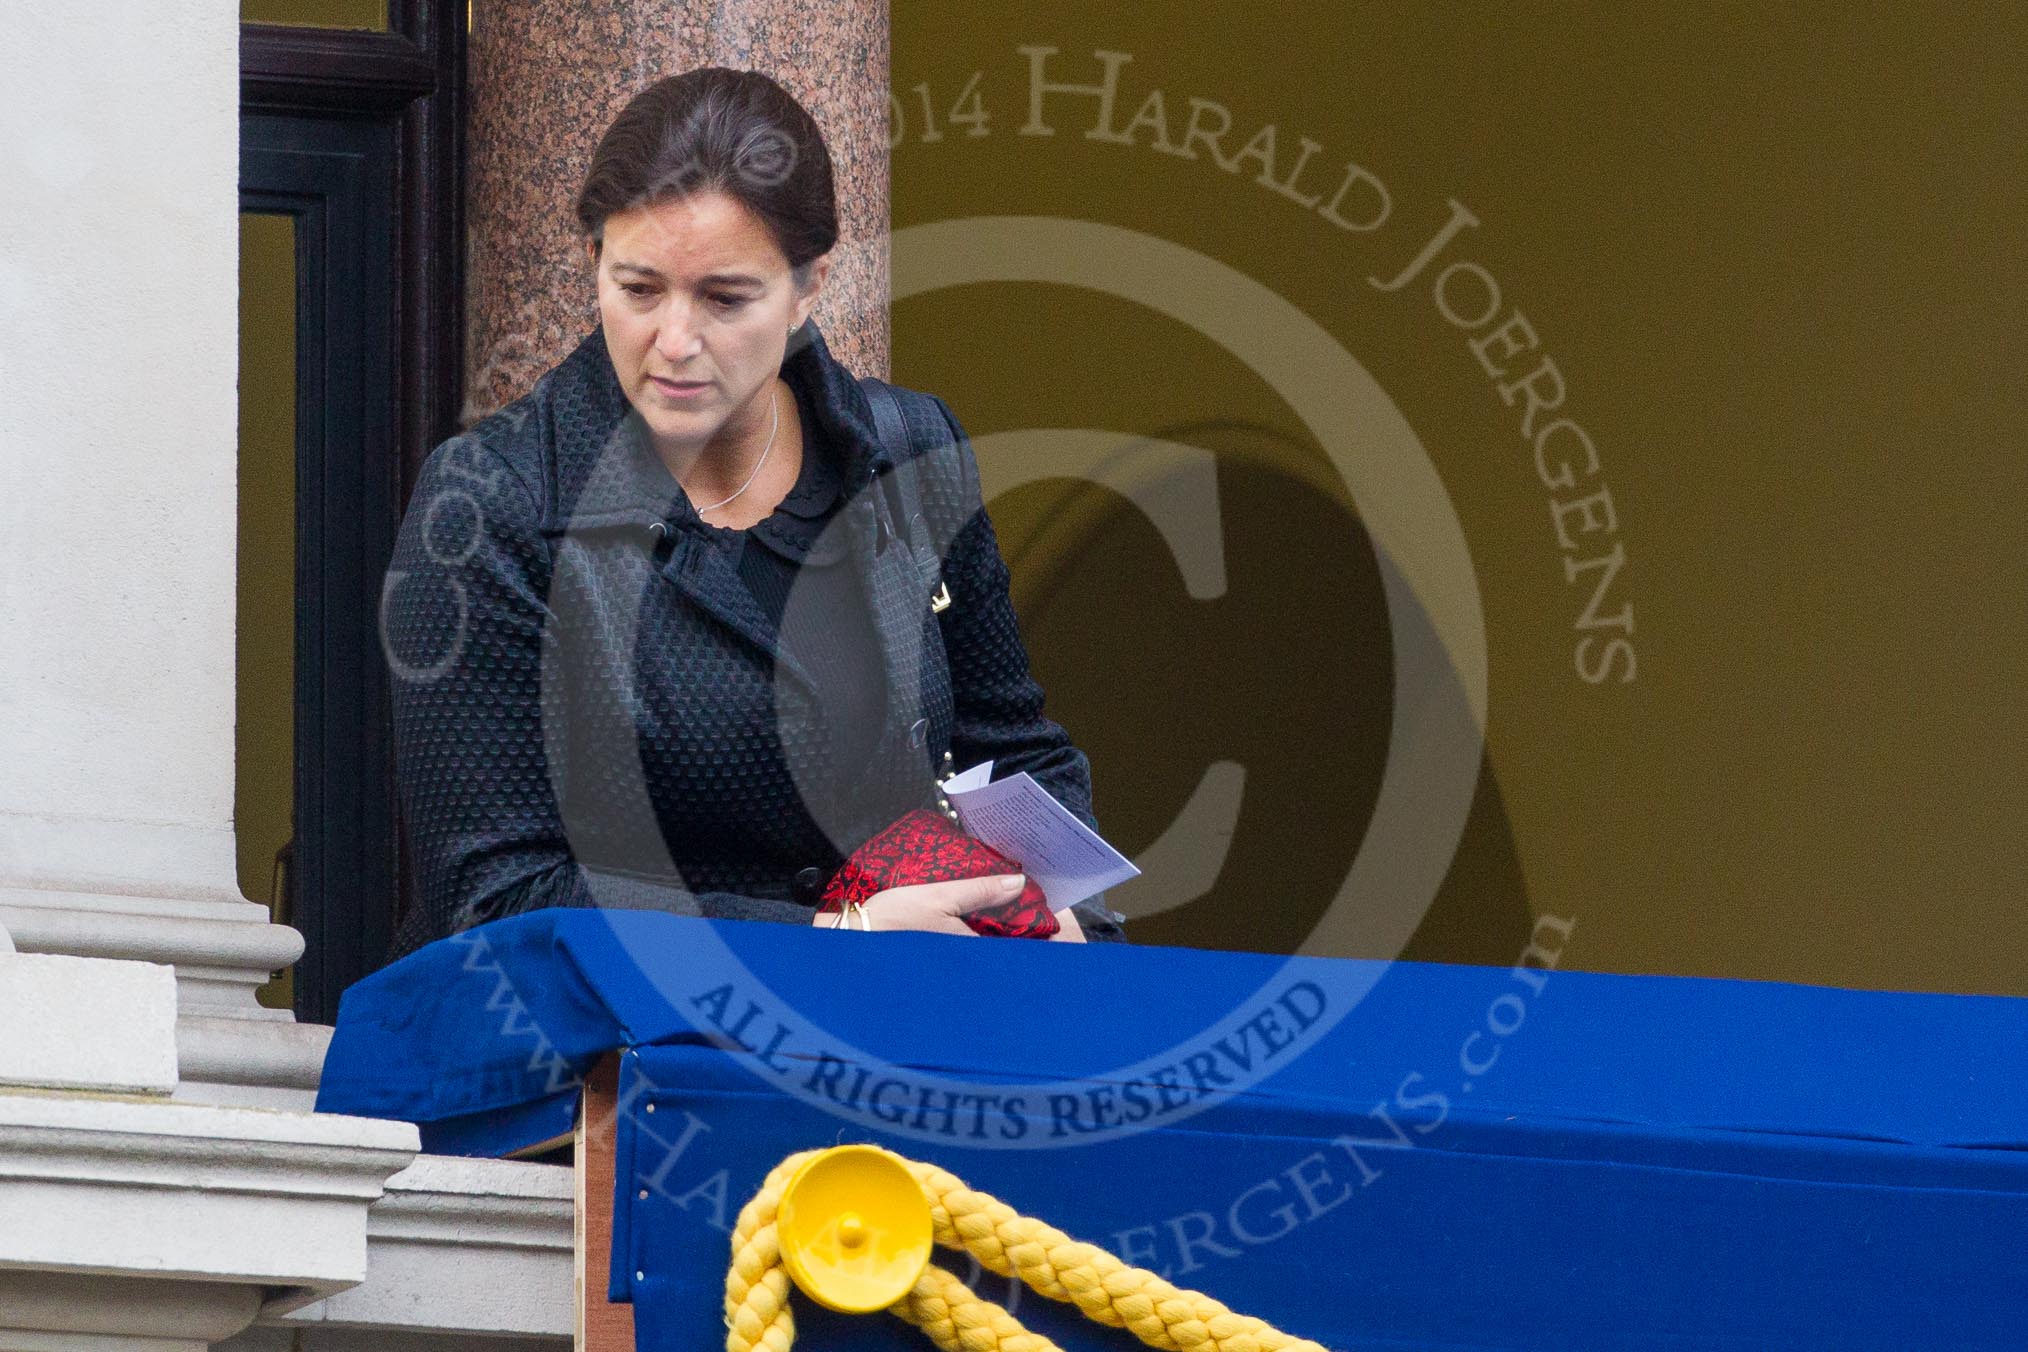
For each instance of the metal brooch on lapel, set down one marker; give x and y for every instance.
(941, 600)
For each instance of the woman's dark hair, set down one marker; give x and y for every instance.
(735, 131)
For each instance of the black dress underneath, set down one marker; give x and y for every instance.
(830, 626)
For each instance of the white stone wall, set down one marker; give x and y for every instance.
(118, 362)
(132, 1220)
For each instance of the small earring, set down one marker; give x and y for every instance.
(793, 328)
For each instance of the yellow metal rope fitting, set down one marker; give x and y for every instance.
(845, 1223)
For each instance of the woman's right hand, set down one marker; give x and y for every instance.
(937, 907)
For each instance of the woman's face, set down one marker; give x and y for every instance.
(696, 300)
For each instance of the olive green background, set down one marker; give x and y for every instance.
(264, 731)
(1775, 257)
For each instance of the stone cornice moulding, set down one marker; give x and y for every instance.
(82, 1312)
(250, 1063)
(143, 891)
(129, 1187)
(462, 1246)
(231, 1049)
(223, 950)
(478, 1203)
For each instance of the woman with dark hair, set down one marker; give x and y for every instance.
(681, 628)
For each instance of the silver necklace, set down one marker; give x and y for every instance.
(774, 404)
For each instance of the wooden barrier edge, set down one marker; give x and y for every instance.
(599, 1324)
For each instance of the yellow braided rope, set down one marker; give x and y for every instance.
(959, 1320)
(757, 1316)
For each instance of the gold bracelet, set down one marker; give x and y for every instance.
(856, 911)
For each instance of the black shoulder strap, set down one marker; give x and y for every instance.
(905, 492)
(887, 419)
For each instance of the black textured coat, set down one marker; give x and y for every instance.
(592, 709)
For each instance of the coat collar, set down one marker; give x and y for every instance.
(607, 476)
(607, 473)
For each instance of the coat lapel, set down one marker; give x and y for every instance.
(710, 579)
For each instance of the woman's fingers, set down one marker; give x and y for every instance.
(938, 906)
(1068, 931)
(969, 894)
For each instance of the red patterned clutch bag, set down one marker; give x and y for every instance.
(928, 847)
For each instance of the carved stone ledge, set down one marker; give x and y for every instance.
(480, 1249)
(172, 1224)
(223, 950)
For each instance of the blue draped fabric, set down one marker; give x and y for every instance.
(1371, 1155)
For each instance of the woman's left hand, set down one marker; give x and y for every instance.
(1070, 932)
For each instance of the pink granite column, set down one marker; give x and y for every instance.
(546, 79)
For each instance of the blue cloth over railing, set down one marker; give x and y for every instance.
(1372, 1155)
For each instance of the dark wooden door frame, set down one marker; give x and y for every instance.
(339, 129)
(336, 179)
(416, 72)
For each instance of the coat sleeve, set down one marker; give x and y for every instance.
(465, 624)
(997, 701)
